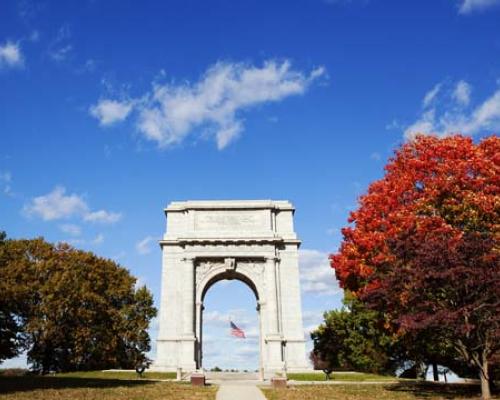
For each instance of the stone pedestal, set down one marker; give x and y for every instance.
(197, 380)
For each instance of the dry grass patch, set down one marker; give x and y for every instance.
(402, 391)
(128, 375)
(340, 376)
(57, 388)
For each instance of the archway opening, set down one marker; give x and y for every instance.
(228, 301)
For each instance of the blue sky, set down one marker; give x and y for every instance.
(112, 109)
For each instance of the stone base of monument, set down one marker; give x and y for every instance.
(278, 382)
(198, 379)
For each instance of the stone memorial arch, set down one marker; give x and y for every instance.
(252, 241)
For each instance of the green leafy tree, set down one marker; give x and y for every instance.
(357, 338)
(79, 311)
(353, 338)
(14, 282)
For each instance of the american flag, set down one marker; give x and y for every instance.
(235, 331)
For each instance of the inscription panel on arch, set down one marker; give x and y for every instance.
(228, 220)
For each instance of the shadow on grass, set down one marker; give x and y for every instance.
(27, 383)
(431, 390)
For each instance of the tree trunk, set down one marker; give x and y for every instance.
(485, 381)
(435, 372)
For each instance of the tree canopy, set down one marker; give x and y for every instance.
(423, 246)
(70, 309)
(353, 339)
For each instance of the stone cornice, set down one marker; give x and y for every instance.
(229, 205)
(227, 241)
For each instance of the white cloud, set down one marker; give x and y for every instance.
(215, 317)
(98, 239)
(231, 353)
(461, 94)
(431, 95)
(144, 245)
(224, 350)
(334, 232)
(171, 112)
(90, 65)
(311, 320)
(110, 111)
(60, 48)
(316, 275)
(59, 205)
(103, 216)
(62, 53)
(56, 205)
(425, 124)
(71, 229)
(469, 6)
(240, 316)
(76, 242)
(451, 113)
(10, 55)
(394, 124)
(5, 176)
(5, 181)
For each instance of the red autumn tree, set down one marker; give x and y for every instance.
(423, 246)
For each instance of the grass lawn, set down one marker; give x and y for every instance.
(340, 376)
(129, 375)
(83, 387)
(400, 391)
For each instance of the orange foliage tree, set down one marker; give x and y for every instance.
(423, 246)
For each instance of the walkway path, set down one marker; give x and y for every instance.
(239, 390)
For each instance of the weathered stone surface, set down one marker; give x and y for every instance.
(253, 241)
